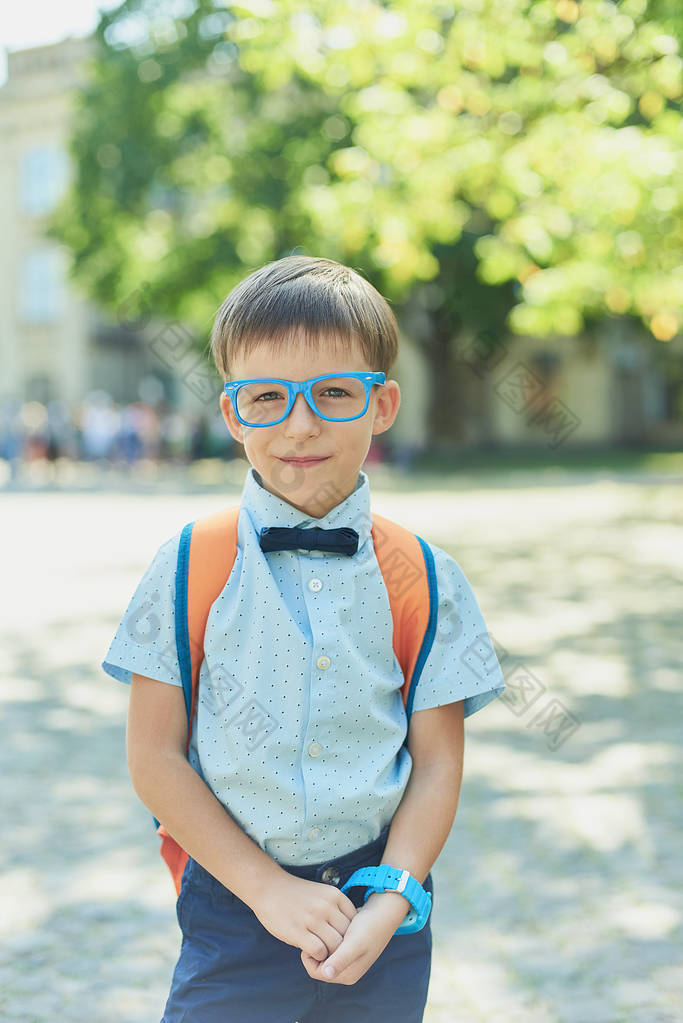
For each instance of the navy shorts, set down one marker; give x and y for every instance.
(232, 970)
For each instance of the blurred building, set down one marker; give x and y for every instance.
(55, 345)
(613, 386)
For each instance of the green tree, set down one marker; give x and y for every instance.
(517, 158)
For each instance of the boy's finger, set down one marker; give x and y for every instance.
(347, 907)
(341, 921)
(313, 967)
(339, 961)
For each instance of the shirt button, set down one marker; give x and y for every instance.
(315, 749)
(314, 585)
(314, 833)
(323, 662)
(330, 875)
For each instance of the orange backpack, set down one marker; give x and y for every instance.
(206, 555)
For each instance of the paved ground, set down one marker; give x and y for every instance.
(558, 894)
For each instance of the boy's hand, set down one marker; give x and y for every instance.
(310, 915)
(366, 937)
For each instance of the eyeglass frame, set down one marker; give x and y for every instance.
(305, 387)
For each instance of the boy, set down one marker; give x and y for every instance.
(276, 822)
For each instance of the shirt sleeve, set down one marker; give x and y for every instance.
(144, 641)
(462, 663)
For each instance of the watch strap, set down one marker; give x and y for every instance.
(385, 878)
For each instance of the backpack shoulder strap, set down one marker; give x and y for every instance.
(407, 566)
(207, 552)
(206, 555)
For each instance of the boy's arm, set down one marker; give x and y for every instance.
(310, 915)
(418, 832)
(425, 815)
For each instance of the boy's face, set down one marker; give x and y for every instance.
(317, 486)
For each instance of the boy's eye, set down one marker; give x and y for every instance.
(268, 394)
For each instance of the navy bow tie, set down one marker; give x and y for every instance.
(289, 538)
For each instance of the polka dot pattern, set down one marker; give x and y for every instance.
(300, 721)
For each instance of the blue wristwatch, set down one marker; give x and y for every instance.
(389, 879)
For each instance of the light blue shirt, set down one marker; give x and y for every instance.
(300, 720)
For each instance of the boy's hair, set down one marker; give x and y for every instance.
(316, 298)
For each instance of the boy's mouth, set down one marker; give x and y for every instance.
(305, 461)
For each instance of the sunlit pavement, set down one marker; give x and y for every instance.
(558, 893)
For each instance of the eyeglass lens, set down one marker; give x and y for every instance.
(337, 397)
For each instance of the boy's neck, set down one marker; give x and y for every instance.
(323, 507)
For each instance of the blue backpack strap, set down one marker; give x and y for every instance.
(181, 632)
(181, 627)
(430, 631)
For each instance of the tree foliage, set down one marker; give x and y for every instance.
(213, 137)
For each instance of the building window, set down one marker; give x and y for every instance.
(41, 289)
(42, 179)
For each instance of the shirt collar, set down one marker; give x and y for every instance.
(266, 509)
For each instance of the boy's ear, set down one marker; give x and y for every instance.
(386, 409)
(231, 421)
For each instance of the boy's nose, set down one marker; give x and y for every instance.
(301, 415)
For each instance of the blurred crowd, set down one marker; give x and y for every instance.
(97, 429)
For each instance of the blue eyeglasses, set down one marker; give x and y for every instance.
(337, 397)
